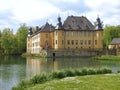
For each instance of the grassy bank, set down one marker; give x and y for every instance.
(107, 57)
(33, 55)
(43, 78)
(93, 82)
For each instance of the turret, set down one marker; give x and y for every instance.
(98, 24)
(60, 26)
(30, 31)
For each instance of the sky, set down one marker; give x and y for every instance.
(38, 12)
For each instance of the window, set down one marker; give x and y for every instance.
(72, 33)
(68, 42)
(62, 33)
(84, 34)
(46, 35)
(76, 42)
(72, 42)
(67, 33)
(89, 34)
(76, 34)
(81, 42)
(62, 42)
(95, 34)
(95, 42)
(56, 41)
(85, 42)
(56, 32)
(80, 34)
(89, 42)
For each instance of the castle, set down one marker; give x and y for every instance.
(77, 33)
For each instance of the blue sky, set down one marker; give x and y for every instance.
(38, 12)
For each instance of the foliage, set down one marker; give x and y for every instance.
(22, 38)
(107, 57)
(7, 41)
(109, 33)
(38, 79)
(11, 43)
(93, 82)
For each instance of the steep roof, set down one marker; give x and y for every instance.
(115, 41)
(47, 28)
(77, 23)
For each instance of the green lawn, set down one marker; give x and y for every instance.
(89, 82)
(107, 57)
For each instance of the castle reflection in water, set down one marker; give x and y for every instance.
(47, 65)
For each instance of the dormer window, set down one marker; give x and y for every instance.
(69, 26)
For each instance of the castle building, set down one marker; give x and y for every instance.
(76, 33)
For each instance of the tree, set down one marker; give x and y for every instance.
(6, 40)
(109, 33)
(22, 38)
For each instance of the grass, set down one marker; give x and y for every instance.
(89, 82)
(43, 78)
(107, 57)
(33, 55)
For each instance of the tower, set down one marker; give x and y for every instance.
(60, 26)
(99, 24)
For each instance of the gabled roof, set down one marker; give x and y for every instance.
(115, 41)
(47, 28)
(77, 23)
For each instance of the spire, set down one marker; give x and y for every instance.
(60, 26)
(99, 24)
(30, 31)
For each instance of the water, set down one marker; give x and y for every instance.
(15, 68)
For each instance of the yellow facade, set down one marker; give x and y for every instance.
(61, 39)
(78, 39)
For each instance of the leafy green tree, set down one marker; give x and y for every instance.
(22, 38)
(109, 33)
(6, 40)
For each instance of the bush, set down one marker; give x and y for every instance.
(61, 75)
(69, 73)
(84, 71)
(91, 71)
(118, 71)
(58, 75)
(105, 70)
(78, 73)
(39, 79)
(22, 85)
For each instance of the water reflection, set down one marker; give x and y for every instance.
(36, 66)
(15, 68)
(39, 65)
(12, 70)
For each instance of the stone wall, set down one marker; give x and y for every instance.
(67, 53)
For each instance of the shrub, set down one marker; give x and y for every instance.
(91, 71)
(98, 71)
(118, 71)
(78, 73)
(22, 85)
(105, 70)
(54, 75)
(61, 75)
(39, 79)
(69, 73)
(84, 71)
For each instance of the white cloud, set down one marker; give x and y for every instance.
(60, 1)
(107, 9)
(33, 11)
(29, 10)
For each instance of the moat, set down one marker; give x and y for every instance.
(15, 68)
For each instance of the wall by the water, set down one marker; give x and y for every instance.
(58, 53)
